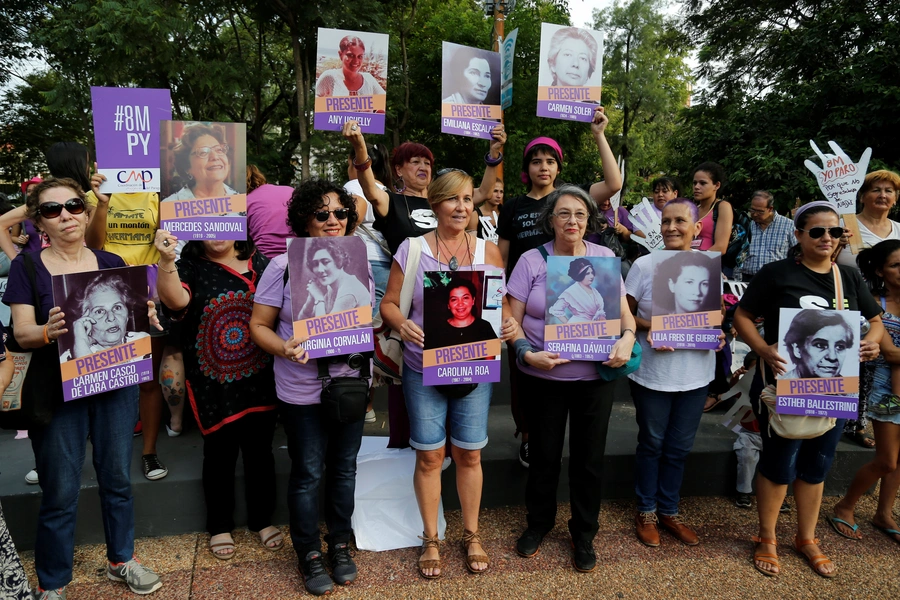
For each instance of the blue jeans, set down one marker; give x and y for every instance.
(59, 450)
(380, 271)
(319, 446)
(667, 424)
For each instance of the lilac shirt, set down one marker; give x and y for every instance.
(267, 218)
(412, 353)
(528, 284)
(295, 383)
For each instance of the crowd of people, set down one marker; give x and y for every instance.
(223, 344)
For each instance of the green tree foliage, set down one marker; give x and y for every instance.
(646, 82)
(781, 73)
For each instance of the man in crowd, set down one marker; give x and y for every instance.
(771, 235)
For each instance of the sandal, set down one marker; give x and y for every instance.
(431, 563)
(469, 538)
(717, 400)
(769, 559)
(275, 536)
(835, 521)
(218, 548)
(860, 438)
(891, 533)
(815, 561)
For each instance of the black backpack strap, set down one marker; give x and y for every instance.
(35, 297)
(543, 252)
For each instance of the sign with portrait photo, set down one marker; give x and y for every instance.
(822, 347)
(351, 79)
(462, 326)
(470, 88)
(126, 134)
(584, 296)
(687, 299)
(204, 180)
(571, 72)
(107, 346)
(330, 296)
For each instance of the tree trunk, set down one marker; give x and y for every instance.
(302, 75)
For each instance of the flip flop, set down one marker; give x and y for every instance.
(835, 521)
(217, 548)
(888, 531)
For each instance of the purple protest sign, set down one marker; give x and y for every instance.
(817, 405)
(470, 89)
(340, 343)
(208, 228)
(126, 133)
(476, 371)
(570, 72)
(595, 350)
(368, 123)
(687, 339)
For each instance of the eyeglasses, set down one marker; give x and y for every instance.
(101, 314)
(757, 211)
(817, 232)
(565, 215)
(339, 214)
(204, 151)
(51, 210)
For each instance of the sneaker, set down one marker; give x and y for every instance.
(31, 477)
(315, 577)
(40, 594)
(153, 469)
(583, 557)
(889, 404)
(530, 543)
(139, 578)
(138, 429)
(523, 454)
(370, 416)
(785, 507)
(343, 569)
(743, 501)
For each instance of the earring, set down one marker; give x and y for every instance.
(402, 187)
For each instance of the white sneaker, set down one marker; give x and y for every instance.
(31, 477)
(370, 416)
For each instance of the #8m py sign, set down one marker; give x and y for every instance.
(126, 129)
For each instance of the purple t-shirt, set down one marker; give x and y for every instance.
(18, 286)
(34, 236)
(295, 383)
(267, 218)
(412, 353)
(624, 218)
(528, 284)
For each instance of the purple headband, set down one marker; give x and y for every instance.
(809, 205)
(540, 140)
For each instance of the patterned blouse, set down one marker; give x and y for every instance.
(228, 376)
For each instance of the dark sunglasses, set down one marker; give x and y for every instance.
(339, 214)
(51, 210)
(817, 232)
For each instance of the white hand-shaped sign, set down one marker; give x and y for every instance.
(616, 198)
(645, 219)
(839, 177)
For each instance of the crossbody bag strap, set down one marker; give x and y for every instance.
(838, 286)
(409, 275)
(368, 233)
(35, 296)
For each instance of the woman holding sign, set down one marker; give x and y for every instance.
(448, 248)
(578, 394)
(669, 388)
(229, 378)
(58, 208)
(322, 450)
(803, 280)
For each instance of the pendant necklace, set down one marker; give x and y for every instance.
(453, 263)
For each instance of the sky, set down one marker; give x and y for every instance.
(581, 11)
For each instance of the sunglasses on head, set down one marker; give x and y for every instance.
(339, 214)
(51, 210)
(817, 232)
(450, 170)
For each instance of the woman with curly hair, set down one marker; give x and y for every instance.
(322, 450)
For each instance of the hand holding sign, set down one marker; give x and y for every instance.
(97, 180)
(646, 220)
(839, 177)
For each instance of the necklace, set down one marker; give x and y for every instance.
(453, 263)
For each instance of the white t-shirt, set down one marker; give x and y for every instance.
(374, 251)
(331, 83)
(677, 371)
(869, 239)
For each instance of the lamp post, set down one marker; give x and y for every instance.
(498, 9)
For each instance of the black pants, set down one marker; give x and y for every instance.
(548, 405)
(251, 435)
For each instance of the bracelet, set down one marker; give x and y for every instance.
(46, 336)
(522, 347)
(632, 332)
(365, 164)
(493, 162)
(175, 270)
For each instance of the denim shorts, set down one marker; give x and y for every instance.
(429, 410)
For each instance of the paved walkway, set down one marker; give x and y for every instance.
(718, 568)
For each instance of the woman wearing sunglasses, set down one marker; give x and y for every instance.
(323, 451)
(803, 280)
(57, 207)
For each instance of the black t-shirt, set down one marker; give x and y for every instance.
(407, 216)
(518, 224)
(447, 335)
(788, 284)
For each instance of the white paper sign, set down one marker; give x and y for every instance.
(645, 219)
(839, 177)
(617, 197)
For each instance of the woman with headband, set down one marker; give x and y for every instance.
(519, 231)
(803, 280)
